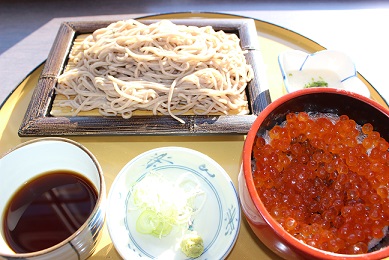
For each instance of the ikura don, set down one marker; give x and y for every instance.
(324, 179)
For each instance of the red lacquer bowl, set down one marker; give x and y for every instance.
(325, 100)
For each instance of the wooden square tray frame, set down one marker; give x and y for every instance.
(39, 122)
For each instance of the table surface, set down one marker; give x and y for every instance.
(28, 28)
(355, 29)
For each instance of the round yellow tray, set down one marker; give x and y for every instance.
(113, 152)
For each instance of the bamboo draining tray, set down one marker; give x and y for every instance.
(42, 119)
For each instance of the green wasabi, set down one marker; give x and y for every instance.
(192, 245)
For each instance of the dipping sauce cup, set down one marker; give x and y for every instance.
(52, 200)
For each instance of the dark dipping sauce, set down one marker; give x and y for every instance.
(47, 210)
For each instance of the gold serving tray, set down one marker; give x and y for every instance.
(113, 152)
(44, 117)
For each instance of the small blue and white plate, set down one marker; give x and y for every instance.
(218, 222)
(300, 70)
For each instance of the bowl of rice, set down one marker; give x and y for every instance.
(315, 173)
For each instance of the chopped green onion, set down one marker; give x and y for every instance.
(317, 83)
(166, 204)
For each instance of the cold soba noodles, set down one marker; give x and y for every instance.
(162, 67)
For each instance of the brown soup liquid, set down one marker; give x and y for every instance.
(47, 210)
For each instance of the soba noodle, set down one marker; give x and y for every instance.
(162, 67)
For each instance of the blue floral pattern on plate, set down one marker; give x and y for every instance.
(299, 69)
(218, 222)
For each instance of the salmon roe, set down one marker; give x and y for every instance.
(325, 181)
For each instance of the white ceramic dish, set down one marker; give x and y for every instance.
(300, 69)
(218, 222)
